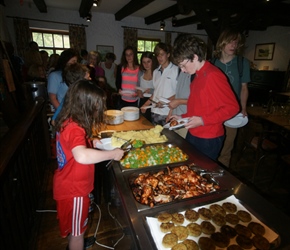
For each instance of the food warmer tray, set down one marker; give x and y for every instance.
(210, 176)
(149, 167)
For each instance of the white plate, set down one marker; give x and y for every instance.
(163, 100)
(184, 120)
(141, 89)
(147, 107)
(147, 94)
(105, 145)
(237, 122)
(128, 93)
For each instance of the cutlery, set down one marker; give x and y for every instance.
(123, 147)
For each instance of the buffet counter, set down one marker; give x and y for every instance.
(229, 185)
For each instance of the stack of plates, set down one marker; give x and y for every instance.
(130, 113)
(114, 117)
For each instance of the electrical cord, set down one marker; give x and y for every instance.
(98, 224)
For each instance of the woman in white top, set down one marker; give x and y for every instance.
(110, 70)
(164, 83)
(148, 65)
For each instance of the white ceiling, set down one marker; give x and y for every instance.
(111, 6)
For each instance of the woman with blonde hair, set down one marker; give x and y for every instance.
(94, 59)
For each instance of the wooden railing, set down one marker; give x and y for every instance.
(24, 155)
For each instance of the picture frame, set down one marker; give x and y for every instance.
(104, 49)
(264, 51)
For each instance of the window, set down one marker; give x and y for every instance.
(146, 45)
(52, 41)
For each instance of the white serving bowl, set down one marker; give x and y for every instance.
(131, 113)
(114, 116)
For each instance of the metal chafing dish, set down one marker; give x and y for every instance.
(231, 185)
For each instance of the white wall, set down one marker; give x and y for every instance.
(275, 34)
(104, 30)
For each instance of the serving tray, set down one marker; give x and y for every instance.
(170, 185)
(152, 155)
(153, 226)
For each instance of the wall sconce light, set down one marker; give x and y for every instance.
(174, 20)
(96, 3)
(162, 25)
(89, 17)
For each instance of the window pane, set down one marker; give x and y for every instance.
(37, 37)
(48, 42)
(49, 51)
(140, 45)
(66, 41)
(58, 42)
(154, 44)
(58, 51)
(148, 46)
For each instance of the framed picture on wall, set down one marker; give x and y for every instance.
(264, 51)
(104, 49)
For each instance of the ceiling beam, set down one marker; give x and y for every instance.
(130, 8)
(41, 5)
(161, 15)
(85, 7)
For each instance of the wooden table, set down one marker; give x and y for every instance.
(141, 123)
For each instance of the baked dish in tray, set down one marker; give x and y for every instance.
(153, 155)
(170, 184)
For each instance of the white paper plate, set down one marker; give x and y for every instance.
(163, 100)
(184, 120)
(105, 145)
(147, 94)
(237, 122)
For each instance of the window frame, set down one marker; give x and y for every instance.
(56, 50)
(139, 52)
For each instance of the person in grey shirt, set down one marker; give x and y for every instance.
(178, 105)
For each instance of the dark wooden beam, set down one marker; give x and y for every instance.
(130, 8)
(41, 5)
(85, 7)
(161, 15)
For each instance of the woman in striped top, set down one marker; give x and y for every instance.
(127, 77)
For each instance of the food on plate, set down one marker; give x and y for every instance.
(179, 246)
(261, 242)
(244, 241)
(169, 240)
(149, 136)
(191, 215)
(177, 218)
(220, 239)
(234, 247)
(169, 184)
(206, 243)
(243, 230)
(244, 216)
(190, 244)
(166, 227)
(256, 228)
(194, 229)
(180, 231)
(228, 231)
(232, 219)
(173, 123)
(207, 227)
(229, 207)
(152, 155)
(164, 217)
(205, 213)
(218, 219)
(216, 208)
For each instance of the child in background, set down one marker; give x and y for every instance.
(71, 74)
(73, 180)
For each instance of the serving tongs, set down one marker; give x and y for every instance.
(202, 171)
(124, 147)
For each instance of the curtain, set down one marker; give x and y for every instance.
(22, 35)
(77, 37)
(168, 38)
(130, 37)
